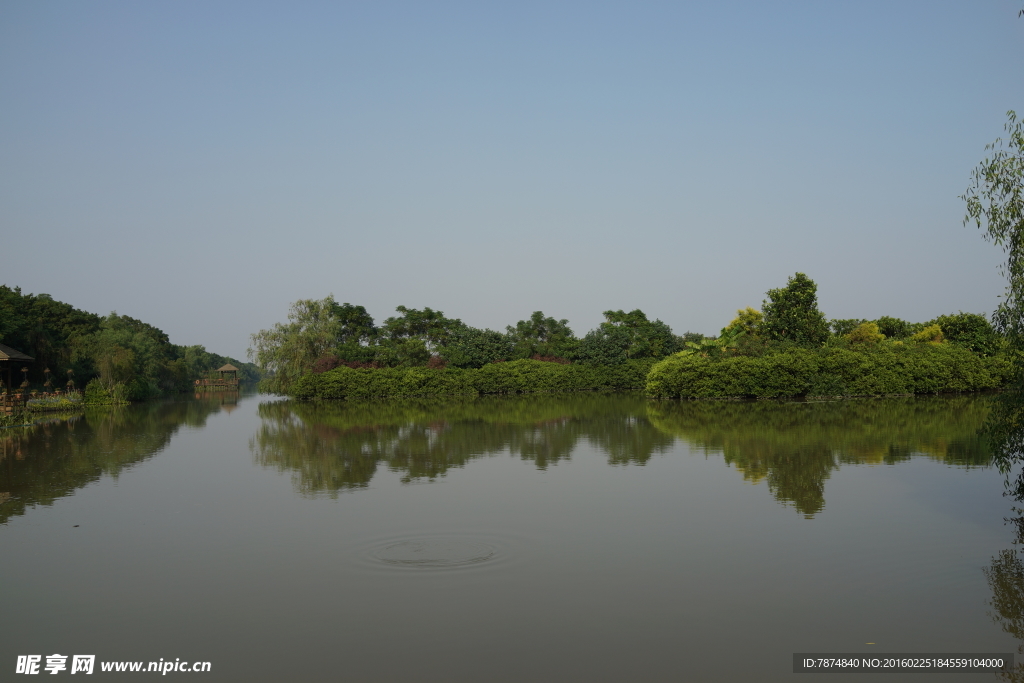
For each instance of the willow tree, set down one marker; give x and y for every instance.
(288, 350)
(995, 204)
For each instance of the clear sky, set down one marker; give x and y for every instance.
(201, 165)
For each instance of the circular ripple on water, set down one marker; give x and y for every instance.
(435, 552)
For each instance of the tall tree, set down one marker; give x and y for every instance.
(287, 351)
(791, 313)
(356, 325)
(429, 325)
(542, 336)
(623, 336)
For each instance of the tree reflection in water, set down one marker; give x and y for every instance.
(1006, 579)
(53, 458)
(795, 446)
(331, 447)
(334, 447)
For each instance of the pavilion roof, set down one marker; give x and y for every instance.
(9, 354)
(227, 368)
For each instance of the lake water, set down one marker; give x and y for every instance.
(544, 538)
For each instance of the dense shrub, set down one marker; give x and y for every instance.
(865, 334)
(514, 377)
(796, 372)
(97, 394)
(971, 330)
(470, 347)
(894, 328)
(931, 334)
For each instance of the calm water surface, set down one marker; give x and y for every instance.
(554, 538)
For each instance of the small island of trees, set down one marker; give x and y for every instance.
(786, 349)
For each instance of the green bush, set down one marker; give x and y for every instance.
(54, 403)
(515, 377)
(970, 330)
(888, 369)
(97, 394)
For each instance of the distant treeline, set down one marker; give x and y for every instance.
(323, 335)
(113, 350)
(786, 349)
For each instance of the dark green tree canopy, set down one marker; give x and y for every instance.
(429, 325)
(542, 336)
(474, 348)
(971, 330)
(893, 328)
(646, 338)
(356, 324)
(791, 313)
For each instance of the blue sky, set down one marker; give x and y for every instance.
(201, 165)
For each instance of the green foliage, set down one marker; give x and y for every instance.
(287, 351)
(470, 347)
(930, 334)
(542, 336)
(521, 376)
(115, 349)
(843, 326)
(748, 322)
(624, 336)
(799, 372)
(98, 393)
(791, 313)
(17, 418)
(970, 330)
(894, 328)
(865, 334)
(995, 201)
(63, 403)
(605, 346)
(355, 324)
(530, 376)
(428, 325)
(50, 331)
(402, 352)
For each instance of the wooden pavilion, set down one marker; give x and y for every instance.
(9, 399)
(228, 380)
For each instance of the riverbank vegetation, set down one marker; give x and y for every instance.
(790, 351)
(786, 349)
(513, 377)
(324, 337)
(106, 351)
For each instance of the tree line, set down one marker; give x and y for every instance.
(112, 350)
(322, 335)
